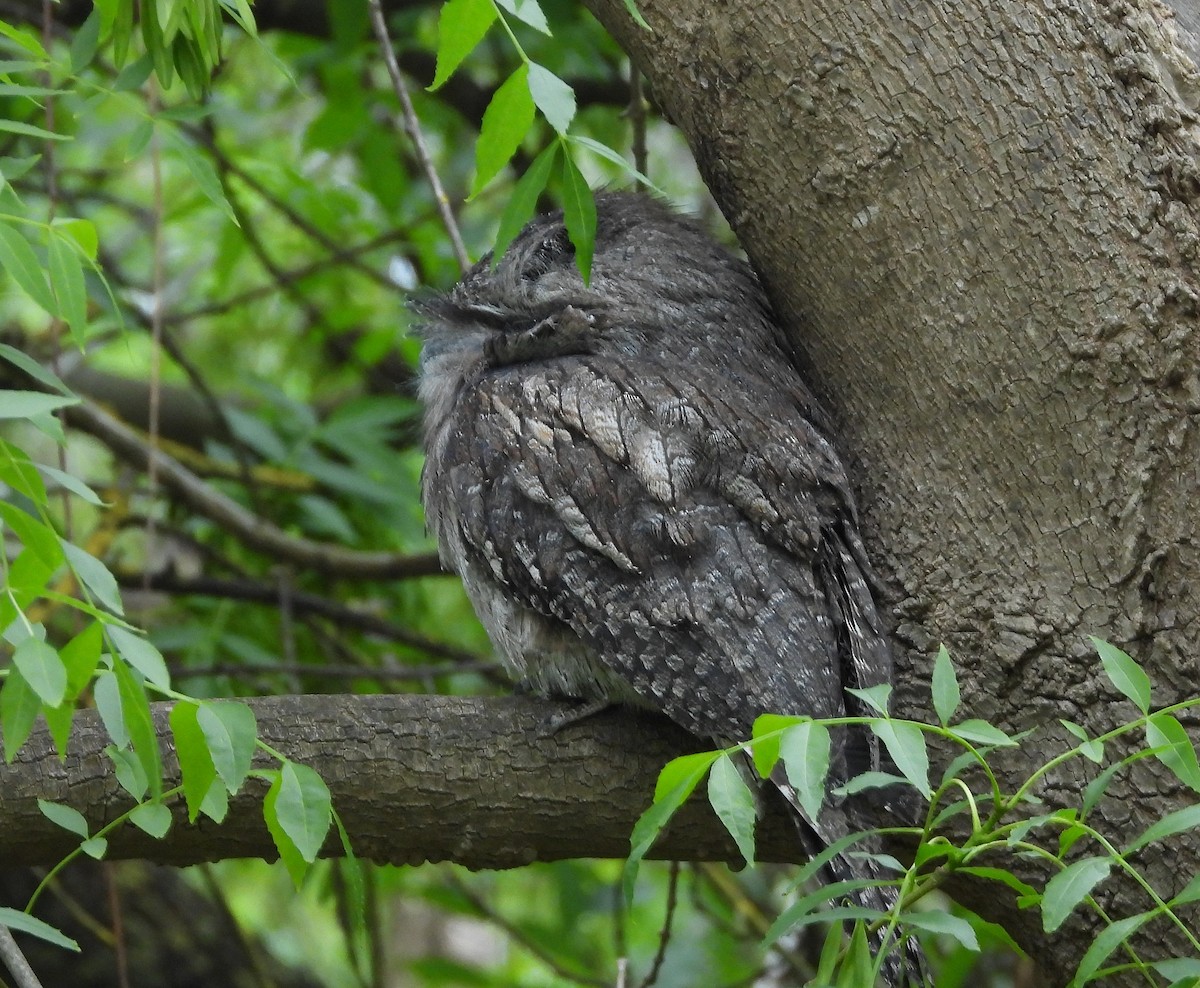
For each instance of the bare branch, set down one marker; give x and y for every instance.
(255, 532)
(413, 128)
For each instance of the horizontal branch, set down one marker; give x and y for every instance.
(252, 531)
(414, 779)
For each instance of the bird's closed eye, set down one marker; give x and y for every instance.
(555, 246)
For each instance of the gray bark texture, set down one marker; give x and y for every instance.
(980, 222)
(414, 779)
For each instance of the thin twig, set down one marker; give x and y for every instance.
(117, 916)
(15, 961)
(480, 905)
(303, 604)
(637, 120)
(250, 529)
(158, 247)
(664, 937)
(388, 674)
(295, 275)
(412, 127)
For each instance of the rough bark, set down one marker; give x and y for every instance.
(980, 220)
(414, 779)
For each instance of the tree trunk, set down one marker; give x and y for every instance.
(979, 220)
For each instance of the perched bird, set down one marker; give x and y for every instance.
(641, 494)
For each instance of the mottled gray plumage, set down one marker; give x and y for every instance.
(638, 490)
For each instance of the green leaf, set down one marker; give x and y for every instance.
(1124, 673)
(579, 214)
(686, 770)
(19, 707)
(135, 709)
(42, 669)
(67, 817)
(804, 749)
(289, 854)
(80, 232)
(944, 686)
(94, 575)
(73, 484)
(766, 734)
(59, 720)
(240, 11)
(981, 732)
(857, 966)
(944, 924)
(129, 772)
(999, 875)
(94, 847)
(29, 130)
(1108, 940)
(108, 704)
(733, 803)
(231, 732)
(1069, 888)
(24, 923)
(85, 42)
(638, 19)
(66, 282)
(906, 744)
(39, 538)
(506, 121)
(354, 877)
(133, 76)
(552, 96)
(1097, 787)
(25, 39)
(1171, 745)
(1190, 893)
(611, 155)
(1177, 822)
(876, 697)
(1177, 969)
(33, 369)
(216, 802)
(153, 818)
(523, 201)
(461, 26)
(201, 169)
(17, 257)
(27, 404)
(303, 808)
(141, 654)
(528, 12)
(18, 471)
(676, 782)
(868, 780)
(191, 748)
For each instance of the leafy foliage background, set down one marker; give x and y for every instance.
(236, 251)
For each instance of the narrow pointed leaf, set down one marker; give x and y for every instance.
(461, 26)
(1124, 673)
(553, 97)
(944, 686)
(906, 744)
(804, 750)
(1069, 888)
(733, 803)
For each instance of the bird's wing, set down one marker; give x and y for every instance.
(686, 531)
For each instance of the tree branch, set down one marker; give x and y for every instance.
(251, 530)
(414, 778)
